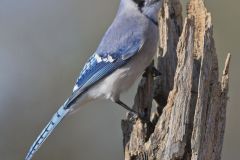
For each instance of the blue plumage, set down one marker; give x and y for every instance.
(125, 50)
(102, 64)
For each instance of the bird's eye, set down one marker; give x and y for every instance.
(140, 3)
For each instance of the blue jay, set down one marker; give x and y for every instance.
(124, 52)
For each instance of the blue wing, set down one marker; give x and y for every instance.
(119, 44)
(101, 65)
(95, 69)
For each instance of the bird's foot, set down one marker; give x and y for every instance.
(133, 115)
(153, 70)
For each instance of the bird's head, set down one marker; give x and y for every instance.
(149, 7)
(146, 3)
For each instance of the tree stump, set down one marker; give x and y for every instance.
(191, 101)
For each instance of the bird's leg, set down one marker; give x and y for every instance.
(153, 70)
(135, 114)
(126, 107)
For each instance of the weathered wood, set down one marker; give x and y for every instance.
(170, 28)
(191, 102)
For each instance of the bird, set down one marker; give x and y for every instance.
(125, 51)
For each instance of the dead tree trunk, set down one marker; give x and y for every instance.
(190, 118)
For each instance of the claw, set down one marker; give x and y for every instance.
(156, 72)
(153, 70)
(132, 116)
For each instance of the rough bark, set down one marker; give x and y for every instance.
(191, 101)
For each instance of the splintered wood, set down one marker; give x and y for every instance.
(191, 101)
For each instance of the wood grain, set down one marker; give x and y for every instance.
(189, 121)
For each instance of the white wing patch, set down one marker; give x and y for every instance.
(99, 59)
(87, 66)
(110, 59)
(75, 88)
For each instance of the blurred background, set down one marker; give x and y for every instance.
(43, 46)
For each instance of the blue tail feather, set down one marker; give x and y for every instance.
(56, 119)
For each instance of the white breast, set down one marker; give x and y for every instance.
(123, 78)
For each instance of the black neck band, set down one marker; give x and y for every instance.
(152, 20)
(140, 4)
